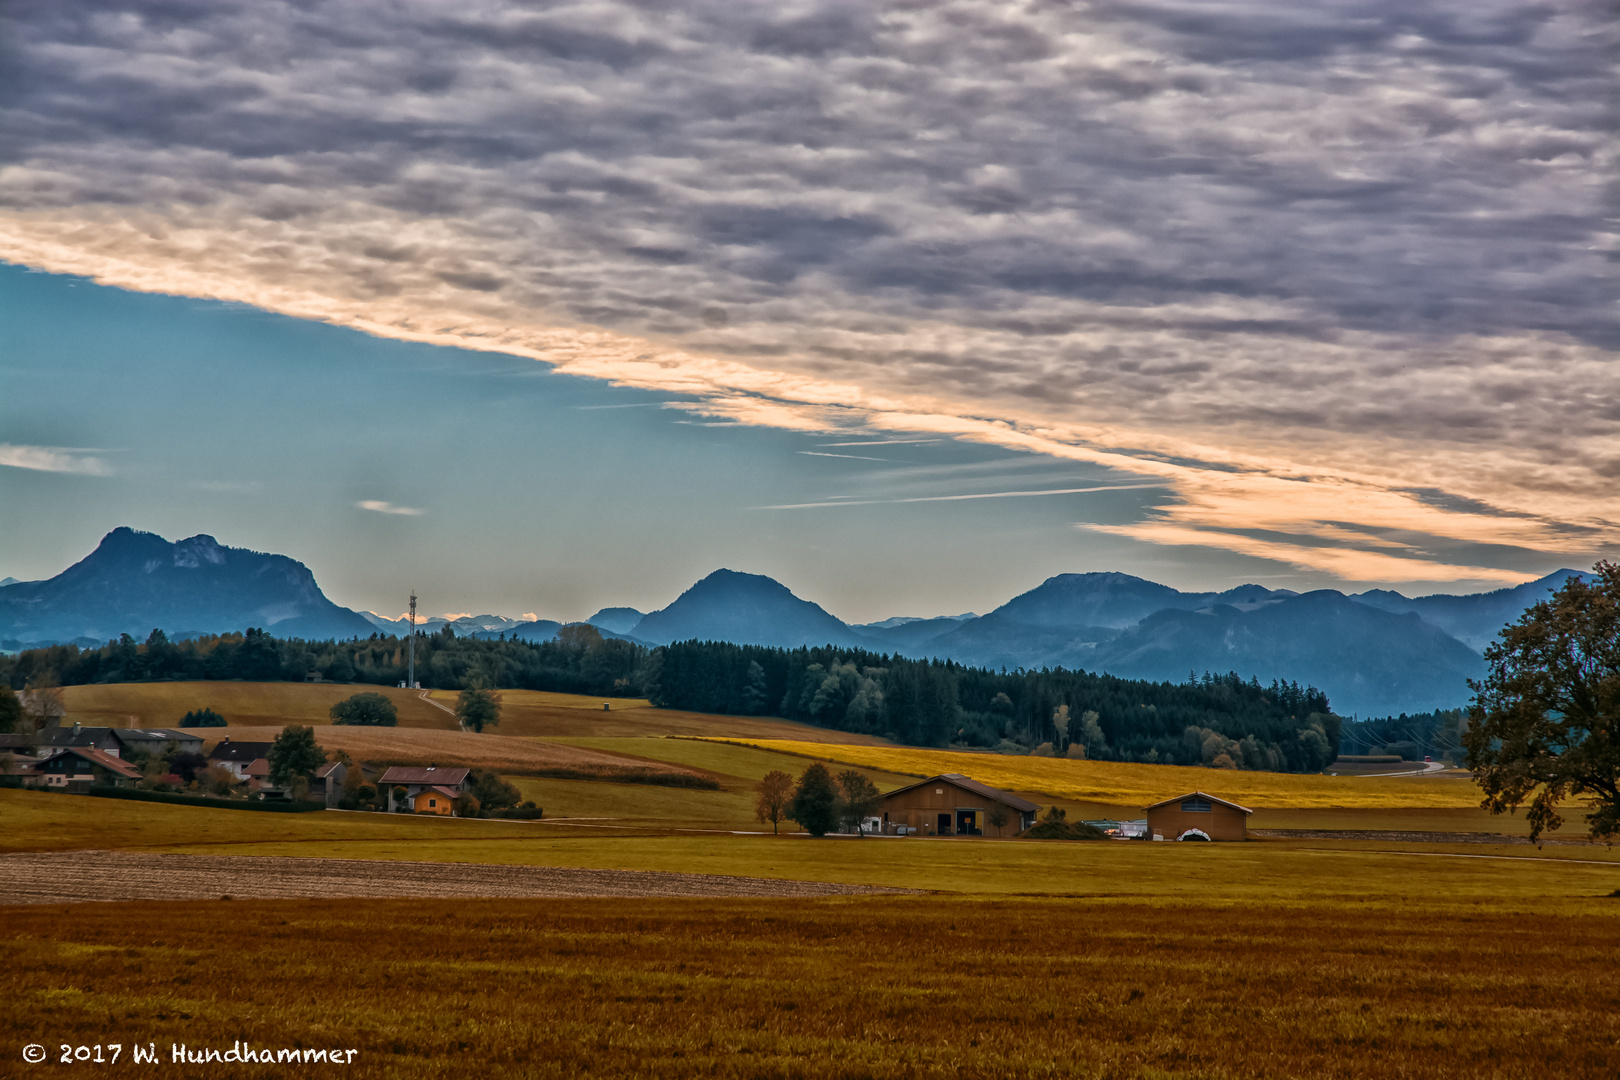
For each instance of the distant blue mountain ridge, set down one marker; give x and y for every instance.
(1373, 653)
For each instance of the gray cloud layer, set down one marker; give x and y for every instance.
(1270, 225)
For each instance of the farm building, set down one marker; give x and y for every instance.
(76, 768)
(954, 805)
(156, 741)
(238, 756)
(415, 780)
(1198, 816)
(327, 785)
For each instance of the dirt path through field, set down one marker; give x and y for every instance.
(65, 877)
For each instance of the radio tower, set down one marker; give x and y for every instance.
(410, 650)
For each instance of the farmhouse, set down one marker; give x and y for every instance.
(56, 737)
(954, 805)
(1198, 816)
(76, 768)
(435, 800)
(415, 780)
(238, 757)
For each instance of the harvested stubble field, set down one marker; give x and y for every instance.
(1129, 784)
(503, 753)
(63, 877)
(870, 986)
(524, 713)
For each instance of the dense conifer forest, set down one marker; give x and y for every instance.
(1214, 719)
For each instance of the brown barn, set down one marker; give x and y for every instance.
(1198, 816)
(954, 805)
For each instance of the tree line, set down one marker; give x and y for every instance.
(1218, 720)
(578, 660)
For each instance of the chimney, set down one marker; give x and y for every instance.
(76, 727)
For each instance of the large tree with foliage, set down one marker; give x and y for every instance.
(858, 799)
(1545, 722)
(773, 795)
(492, 792)
(368, 709)
(478, 708)
(10, 709)
(815, 801)
(294, 757)
(203, 717)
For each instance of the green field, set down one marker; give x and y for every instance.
(1296, 870)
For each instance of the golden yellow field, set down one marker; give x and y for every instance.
(1127, 784)
(531, 713)
(879, 987)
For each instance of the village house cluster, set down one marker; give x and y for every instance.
(78, 757)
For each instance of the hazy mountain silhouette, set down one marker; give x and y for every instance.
(1476, 619)
(136, 581)
(617, 620)
(1369, 661)
(749, 609)
(1376, 652)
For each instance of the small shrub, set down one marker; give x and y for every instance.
(202, 718)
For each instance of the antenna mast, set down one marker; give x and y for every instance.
(410, 649)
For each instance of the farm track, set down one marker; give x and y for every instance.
(69, 877)
(1407, 836)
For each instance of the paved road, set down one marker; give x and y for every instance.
(1429, 768)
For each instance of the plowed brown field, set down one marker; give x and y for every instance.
(426, 746)
(57, 878)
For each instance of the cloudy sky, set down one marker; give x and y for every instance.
(908, 305)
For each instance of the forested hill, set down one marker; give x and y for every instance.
(1217, 720)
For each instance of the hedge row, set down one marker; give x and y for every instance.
(287, 806)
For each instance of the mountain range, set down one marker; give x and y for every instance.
(1374, 653)
(134, 582)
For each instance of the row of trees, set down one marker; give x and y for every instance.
(579, 660)
(1436, 734)
(819, 801)
(1213, 720)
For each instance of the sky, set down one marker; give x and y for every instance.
(909, 306)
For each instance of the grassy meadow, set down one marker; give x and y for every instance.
(1130, 784)
(1271, 870)
(524, 713)
(874, 987)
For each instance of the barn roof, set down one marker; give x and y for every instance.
(1201, 795)
(244, 752)
(412, 774)
(969, 784)
(94, 757)
(125, 735)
